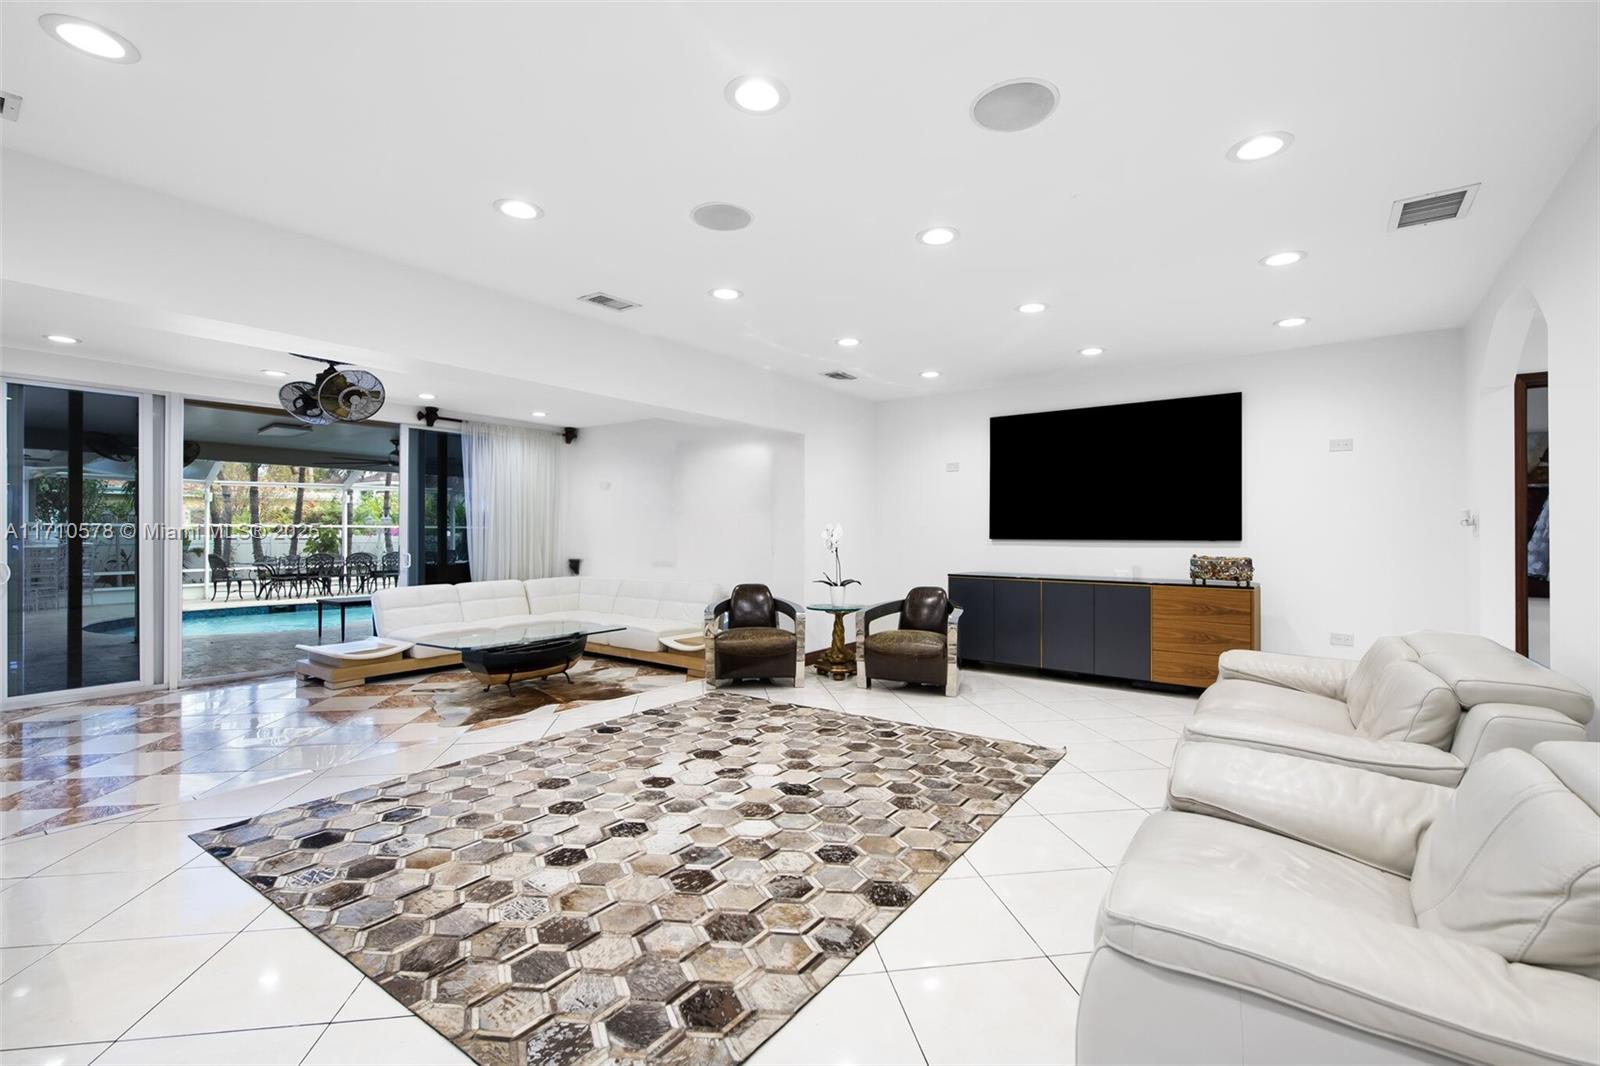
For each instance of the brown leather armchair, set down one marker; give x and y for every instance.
(921, 651)
(744, 640)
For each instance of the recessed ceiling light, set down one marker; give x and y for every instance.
(1282, 259)
(1091, 351)
(538, 414)
(521, 210)
(756, 93)
(60, 338)
(276, 373)
(426, 396)
(1261, 146)
(938, 235)
(726, 294)
(1291, 323)
(849, 342)
(930, 374)
(1030, 309)
(89, 37)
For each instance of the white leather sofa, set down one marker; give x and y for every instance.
(1289, 911)
(1423, 706)
(649, 611)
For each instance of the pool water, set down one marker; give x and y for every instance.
(246, 620)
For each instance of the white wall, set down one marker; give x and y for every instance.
(1541, 314)
(673, 500)
(1366, 542)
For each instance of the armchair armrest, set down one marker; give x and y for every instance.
(1371, 818)
(1396, 758)
(1492, 726)
(715, 613)
(867, 615)
(1321, 677)
(790, 608)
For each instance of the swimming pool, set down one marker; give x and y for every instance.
(241, 621)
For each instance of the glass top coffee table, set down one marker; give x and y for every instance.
(837, 662)
(499, 655)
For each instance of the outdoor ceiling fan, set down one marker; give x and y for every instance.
(335, 396)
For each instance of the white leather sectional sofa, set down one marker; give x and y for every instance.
(1424, 706)
(648, 610)
(1289, 910)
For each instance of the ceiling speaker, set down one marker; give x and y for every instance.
(719, 216)
(1015, 105)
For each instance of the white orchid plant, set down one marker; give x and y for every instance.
(832, 535)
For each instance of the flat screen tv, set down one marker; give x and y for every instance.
(1161, 470)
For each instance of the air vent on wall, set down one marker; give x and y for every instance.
(10, 105)
(839, 375)
(1434, 207)
(614, 303)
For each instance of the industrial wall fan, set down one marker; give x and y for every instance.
(335, 396)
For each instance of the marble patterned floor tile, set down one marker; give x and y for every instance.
(257, 980)
(1022, 1011)
(285, 1046)
(1020, 844)
(1057, 909)
(955, 922)
(384, 1042)
(92, 992)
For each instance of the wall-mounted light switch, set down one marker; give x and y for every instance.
(952, 468)
(1342, 444)
(1342, 640)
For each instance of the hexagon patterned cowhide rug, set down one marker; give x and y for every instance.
(668, 887)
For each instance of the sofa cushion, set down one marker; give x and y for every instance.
(1514, 863)
(413, 605)
(907, 643)
(597, 594)
(754, 641)
(1314, 930)
(492, 599)
(1480, 670)
(550, 595)
(686, 601)
(1408, 702)
(1237, 697)
(1383, 653)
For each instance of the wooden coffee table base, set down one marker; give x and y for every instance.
(838, 662)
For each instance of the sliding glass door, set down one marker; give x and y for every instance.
(73, 545)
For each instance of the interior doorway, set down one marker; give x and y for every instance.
(1531, 506)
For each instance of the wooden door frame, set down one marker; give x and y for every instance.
(1519, 506)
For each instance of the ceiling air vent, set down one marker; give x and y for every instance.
(1434, 207)
(839, 375)
(10, 105)
(614, 303)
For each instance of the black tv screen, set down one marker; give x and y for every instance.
(1161, 470)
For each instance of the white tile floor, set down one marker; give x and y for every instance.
(122, 943)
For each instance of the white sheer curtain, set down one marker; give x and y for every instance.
(511, 482)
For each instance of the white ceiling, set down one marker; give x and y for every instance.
(392, 127)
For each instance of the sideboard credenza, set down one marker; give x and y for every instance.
(1165, 631)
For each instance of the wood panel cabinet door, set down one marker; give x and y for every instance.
(1191, 626)
(1122, 631)
(1016, 623)
(1069, 627)
(975, 637)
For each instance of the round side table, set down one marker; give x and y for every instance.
(837, 662)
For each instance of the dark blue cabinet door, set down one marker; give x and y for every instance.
(975, 637)
(1069, 627)
(1122, 631)
(1016, 623)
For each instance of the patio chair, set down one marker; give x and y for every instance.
(389, 569)
(228, 577)
(359, 571)
(321, 570)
